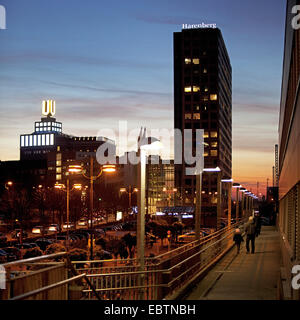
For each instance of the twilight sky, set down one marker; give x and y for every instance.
(105, 61)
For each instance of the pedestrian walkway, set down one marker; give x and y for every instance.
(244, 276)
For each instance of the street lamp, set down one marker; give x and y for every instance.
(60, 186)
(168, 192)
(107, 168)
(237, 207)
(8, 184)
(129, 192)
(229, 181)
(144, 144)
(243, 190)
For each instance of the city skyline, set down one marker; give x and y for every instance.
(98, 70)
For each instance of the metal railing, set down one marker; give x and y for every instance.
(163, 275)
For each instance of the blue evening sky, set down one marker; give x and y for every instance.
(103, 61)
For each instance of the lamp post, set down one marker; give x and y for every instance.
(199, 198)
(144, 144)
(229, 182)
(61, 187)
(129, 192)
(108, 168)
(237, 207)
(243, 190)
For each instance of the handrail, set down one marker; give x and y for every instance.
(46, 288)
(49, 256)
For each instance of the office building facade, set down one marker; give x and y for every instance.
(49, 143)
(289, 150)
(203, 100)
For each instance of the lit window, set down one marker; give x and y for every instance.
(34, 140)
(58, 177)
(52, 139)
(26, 141)
(214, 134)
(39, 140)
(205, 154)
(197, 108)
(187, 61)
(58, 148)
(58, 170)
(47, 140)
(22, 141)
(205, 89)
(214, 144)
(204, 70)
(58, 163)
(205, 98)
(196, 116)
(213, 97)
(43, 139)
(196, 88)
(188, 116)
(213, 153)
(206, 134)
(196, 61)
(187, 89)
(58, 156)
(37, 124)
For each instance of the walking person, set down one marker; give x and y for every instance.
(237, 238)
(257, 220)
(250, 231)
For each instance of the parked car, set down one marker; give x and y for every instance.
(66, 226)
(39, 230)
(17, 232)
(3, 256)
(23, 246)
(82, 222)
(191, 236)
(43, 243)
(13, 252)
(54, 228)
(33, 245)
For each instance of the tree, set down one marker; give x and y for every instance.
(160, 230)
(177, 229)
(116, 247)
(130, 242)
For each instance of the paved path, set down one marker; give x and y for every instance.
(244, 276)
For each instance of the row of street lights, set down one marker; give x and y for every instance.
(78, 169)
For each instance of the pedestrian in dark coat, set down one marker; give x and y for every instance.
(250, 234)
(257, 220)
(238, 238)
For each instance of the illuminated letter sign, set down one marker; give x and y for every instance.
(199, 26)
(48, 108)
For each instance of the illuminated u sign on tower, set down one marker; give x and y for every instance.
(48, 108)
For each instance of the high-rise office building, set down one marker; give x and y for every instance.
(203, 100)
(289, 149)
